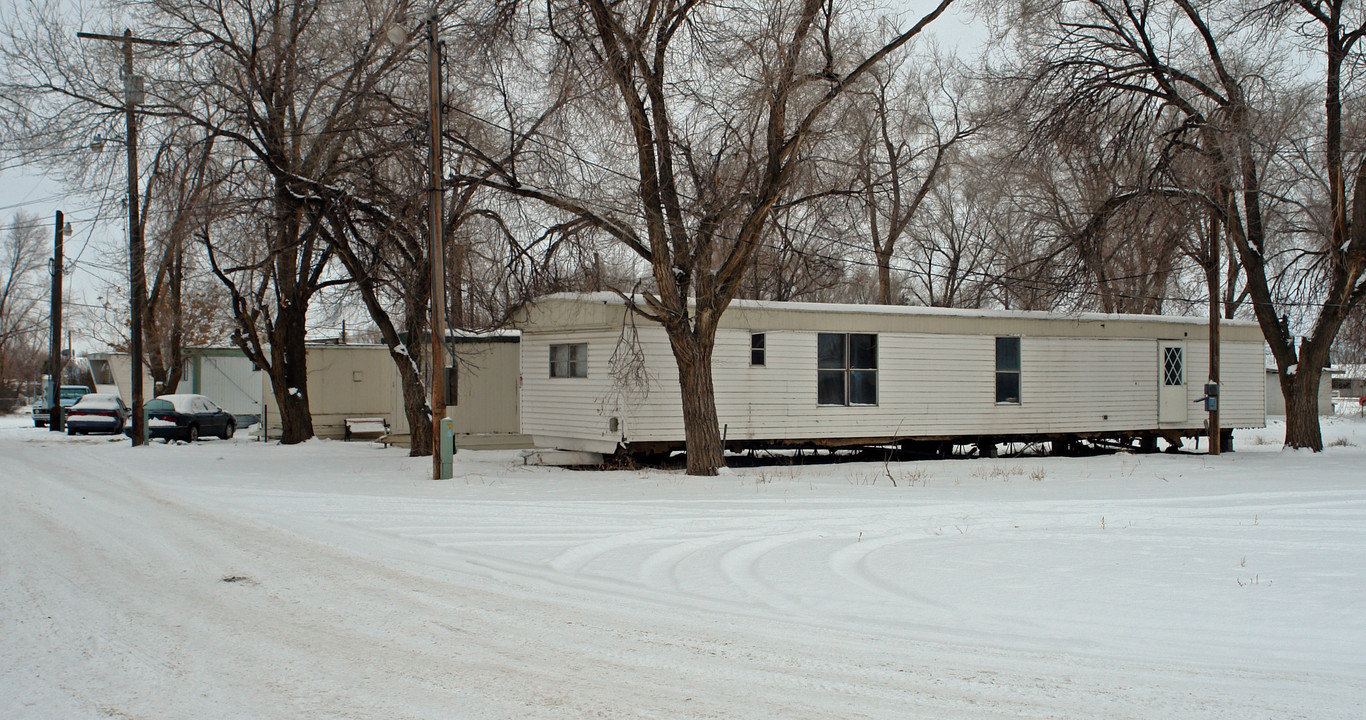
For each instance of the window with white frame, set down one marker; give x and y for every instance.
(846, 369)
(1173, 366)
(1008, 370)
(569, 361)
(757, 343)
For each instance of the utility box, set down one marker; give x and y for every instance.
(1211, 397)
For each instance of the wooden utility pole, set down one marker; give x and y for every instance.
(56, 420)
(137, 278)
(1215, 436)
(436, 217)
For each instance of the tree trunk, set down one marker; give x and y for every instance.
(701, 429)
(884, 277)
(416, 396)
(1301, 391)
(289, 377)
(415, 406)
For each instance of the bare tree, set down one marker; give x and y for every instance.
(953, 251)
(905, 120)
(286, 88)
(1208, 75)
(716, 107)
(21, 295)
(180, 198)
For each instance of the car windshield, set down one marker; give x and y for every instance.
(73, 392)
(158, 405)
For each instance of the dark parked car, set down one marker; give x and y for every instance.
(69, 395)
(187, 417)
(96, 412)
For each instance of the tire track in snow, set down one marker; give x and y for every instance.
(852, 564)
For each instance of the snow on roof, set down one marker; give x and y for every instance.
(611, 298)
(181, 401)
(96, 401)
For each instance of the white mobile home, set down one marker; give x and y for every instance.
(597, 378)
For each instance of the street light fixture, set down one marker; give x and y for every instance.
(98, 142)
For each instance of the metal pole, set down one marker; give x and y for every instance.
(436, 210)
(55, 418)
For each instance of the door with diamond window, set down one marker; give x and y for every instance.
(1171, 381)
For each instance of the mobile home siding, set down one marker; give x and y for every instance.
(229, 379)
(569, 407)
(1078, 375)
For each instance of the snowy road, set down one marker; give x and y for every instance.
(330, 580)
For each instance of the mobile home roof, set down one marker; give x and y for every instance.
(573, 311)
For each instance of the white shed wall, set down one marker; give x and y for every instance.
(1275, 400)
(230, 381)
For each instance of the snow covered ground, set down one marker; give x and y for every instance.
(332, 580)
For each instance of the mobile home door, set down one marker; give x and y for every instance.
(1171, 381)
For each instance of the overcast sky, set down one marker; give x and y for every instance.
(99, 226)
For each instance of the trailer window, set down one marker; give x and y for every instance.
(569, 361)
(756, 349)
(1008, 370)
(846, 369)
(1173, 367)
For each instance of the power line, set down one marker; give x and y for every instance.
(1088, 287)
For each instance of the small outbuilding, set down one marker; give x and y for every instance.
(349, 382)
(596, 377)
(1275, 399)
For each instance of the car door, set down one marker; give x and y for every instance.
(202, 418)
(216, 421)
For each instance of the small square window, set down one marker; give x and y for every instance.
(862, 351)
(757, 342)
(569, 361)
(862, 387)
(830, 387)
(830, 351)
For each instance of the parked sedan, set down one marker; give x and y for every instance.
(187, 417)
(96, 412)
(69, 395)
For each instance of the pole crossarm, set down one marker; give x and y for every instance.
(128, 39)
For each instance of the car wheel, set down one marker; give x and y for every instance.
(228, 430)
(70, 430)
(193, 434)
